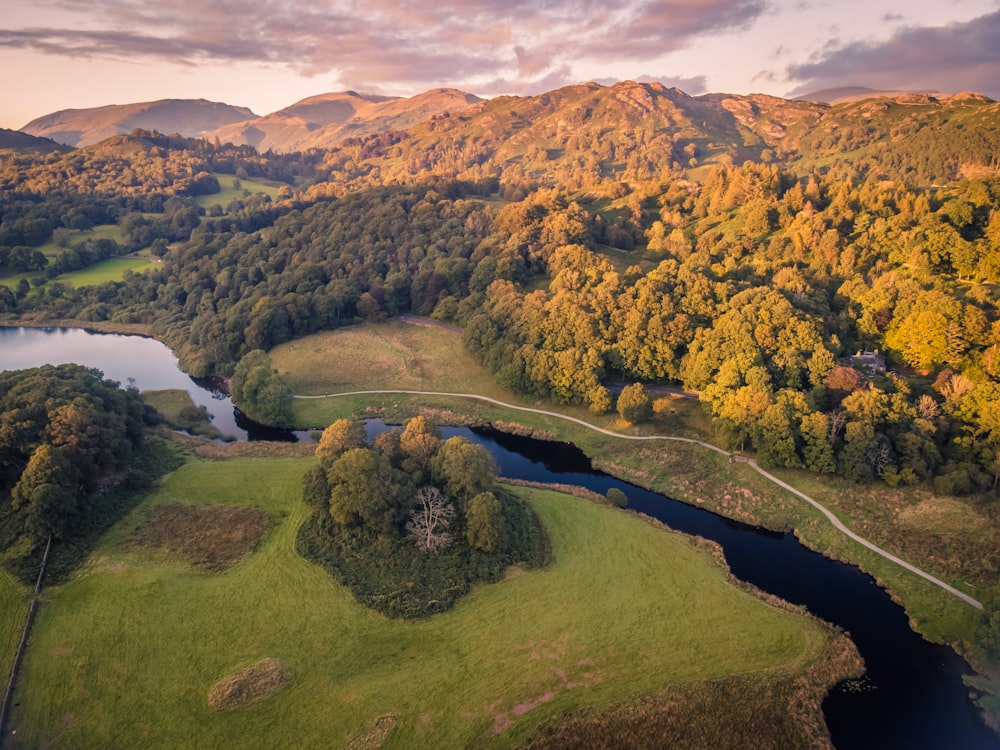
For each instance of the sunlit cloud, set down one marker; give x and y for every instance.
(950, 58)
(520, 43)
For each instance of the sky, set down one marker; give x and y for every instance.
(268, 54)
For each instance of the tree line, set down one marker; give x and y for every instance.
(68, 439)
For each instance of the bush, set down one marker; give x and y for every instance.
(634, 405)
(617, 498)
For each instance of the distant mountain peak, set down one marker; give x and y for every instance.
(848, 94)
(188, 117)
(325, 120)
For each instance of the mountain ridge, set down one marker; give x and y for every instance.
(326, 120)
(84, 127)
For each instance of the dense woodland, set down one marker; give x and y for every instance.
(68, 439)
(743, 247)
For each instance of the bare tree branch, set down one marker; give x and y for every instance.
(429, 521)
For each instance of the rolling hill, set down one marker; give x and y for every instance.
(84, 127)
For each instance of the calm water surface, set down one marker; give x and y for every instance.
(131, 360)
(913, 697)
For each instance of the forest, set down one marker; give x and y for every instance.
(747, 248)
(68, 439)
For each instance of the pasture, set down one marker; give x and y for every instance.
(128, 651)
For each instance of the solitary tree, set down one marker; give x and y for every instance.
(633, 404)
(429, 521)
(616, 497)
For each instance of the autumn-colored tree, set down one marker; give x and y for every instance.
(46, 495)
(339, 437)
(634, 405)
(419, 442)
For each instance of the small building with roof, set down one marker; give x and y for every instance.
(871, 363)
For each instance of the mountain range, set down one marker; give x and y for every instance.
(321, 121)
(326, 120)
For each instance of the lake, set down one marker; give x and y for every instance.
(912, 697)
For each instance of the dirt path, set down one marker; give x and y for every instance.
(837, 523)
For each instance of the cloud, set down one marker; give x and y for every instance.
(384, 43)
(952, 58)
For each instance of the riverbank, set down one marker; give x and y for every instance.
(687, 471)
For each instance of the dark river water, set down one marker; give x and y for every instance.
(912, 696)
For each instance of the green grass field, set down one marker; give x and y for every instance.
(125, 653)
(14, 599)
(387, 355)
(228, 192)
(112, 269)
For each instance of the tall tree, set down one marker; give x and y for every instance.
(430, 520)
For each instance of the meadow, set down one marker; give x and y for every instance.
(395, 354)
(953, 538)
(127, 652)
(14, 598)
(229, 192)
(111, 269)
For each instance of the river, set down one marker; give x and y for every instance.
(912, 696)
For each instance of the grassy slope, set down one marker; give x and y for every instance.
(14, 600)
(407, 356)
(127, 651)
(111, 269)
(227, 192)
(688, 473)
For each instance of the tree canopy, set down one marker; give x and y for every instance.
(66, 435)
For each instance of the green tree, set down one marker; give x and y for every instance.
(365, 490)
(484, 524)
(634, 405)
(340, 436)
(463, 468)
(315, 488)
(258, 390)
(616, 497)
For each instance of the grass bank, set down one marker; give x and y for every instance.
(127, 652)
(181, 413)
(14, 599)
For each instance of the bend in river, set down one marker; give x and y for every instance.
(913, 694)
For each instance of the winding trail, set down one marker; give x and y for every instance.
(836, 522)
